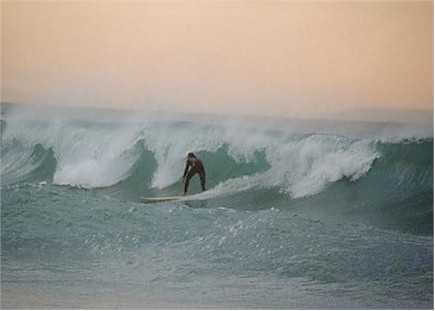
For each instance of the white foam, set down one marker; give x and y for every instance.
(306, 167)
(87, 154)
(99, 154)
(96, 158)
(320, 161)
(299, 167)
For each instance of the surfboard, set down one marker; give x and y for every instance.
(161, 199)
(192, 197)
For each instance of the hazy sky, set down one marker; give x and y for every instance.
(295, 58)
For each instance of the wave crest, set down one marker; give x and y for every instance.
(104, 154)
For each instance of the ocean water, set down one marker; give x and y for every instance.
(298, 215)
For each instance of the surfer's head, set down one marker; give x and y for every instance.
(191, 155)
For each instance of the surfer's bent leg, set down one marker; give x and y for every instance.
(187, 180)
(202, 177)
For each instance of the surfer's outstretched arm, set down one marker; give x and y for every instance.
(186, 178)
(186, 169)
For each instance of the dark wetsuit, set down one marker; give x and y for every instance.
(196, 167)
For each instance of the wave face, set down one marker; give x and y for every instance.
(245, 162)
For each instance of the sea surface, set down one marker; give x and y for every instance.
(298, 214)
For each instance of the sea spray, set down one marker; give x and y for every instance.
(102, 154)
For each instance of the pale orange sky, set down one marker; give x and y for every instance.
(293, 58)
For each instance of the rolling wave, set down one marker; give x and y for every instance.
(243, 163)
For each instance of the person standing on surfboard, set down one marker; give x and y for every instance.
(193, 166)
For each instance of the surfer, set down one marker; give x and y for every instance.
(193, 166)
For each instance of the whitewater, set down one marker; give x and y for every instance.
(299, 214)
